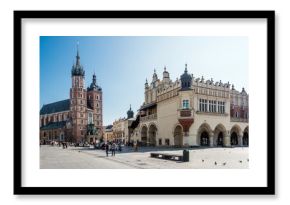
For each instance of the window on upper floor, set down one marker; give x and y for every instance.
(185, 104)
(202, 105)
(212, 106)
(221, 107)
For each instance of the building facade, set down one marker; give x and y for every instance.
(78, 118)
(122, 130)
(108, 133)
(192, 112)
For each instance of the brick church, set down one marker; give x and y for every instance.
(75, 119)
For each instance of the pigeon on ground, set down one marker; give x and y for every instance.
(224, 163)
(241, 161)
(215, 163)
(202, 160)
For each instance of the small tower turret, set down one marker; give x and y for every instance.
(130, 113)
(185, 79)
(154, 77)
(146, 84)
(166, 78)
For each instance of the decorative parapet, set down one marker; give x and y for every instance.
(185, 113)
(235, 119)
(212, 113)
(149, 117)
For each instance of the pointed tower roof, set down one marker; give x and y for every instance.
(130, 113)
(77, 68)
(94, 85)
(154, 77)
(185, 79)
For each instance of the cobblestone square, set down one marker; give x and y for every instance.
(53, 157)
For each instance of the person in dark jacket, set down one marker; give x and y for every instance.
(107, 149)
(113, 149)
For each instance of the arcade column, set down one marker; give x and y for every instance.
(211, 139)
(227, 139)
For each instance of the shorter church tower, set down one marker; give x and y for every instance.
(95, 104)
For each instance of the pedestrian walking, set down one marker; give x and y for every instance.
(113, 149)
(107, 149)
(136, 146)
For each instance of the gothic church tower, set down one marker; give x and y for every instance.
(78, 101)
(94, 96)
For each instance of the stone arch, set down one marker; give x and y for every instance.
(236, 135)
(203, 134)
(246, 137)
(152, 132)
(178, 136)
(144, 136)
(220, 133)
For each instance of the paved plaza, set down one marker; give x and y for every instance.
(86, 158)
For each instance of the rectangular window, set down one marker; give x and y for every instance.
(203, 105)
(210, 106)
(185, 104)
(223, 107)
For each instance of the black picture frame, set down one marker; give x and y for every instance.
(18, 95)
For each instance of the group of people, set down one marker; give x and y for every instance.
(112, 146)
(55, 143)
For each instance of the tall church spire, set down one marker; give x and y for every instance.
(77, 69)
(94, 79)
(78, 55)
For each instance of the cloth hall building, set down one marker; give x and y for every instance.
(192, 112)
(77, 119)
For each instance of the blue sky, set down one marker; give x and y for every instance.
(123, 63)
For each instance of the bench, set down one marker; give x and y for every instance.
(176, 157)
